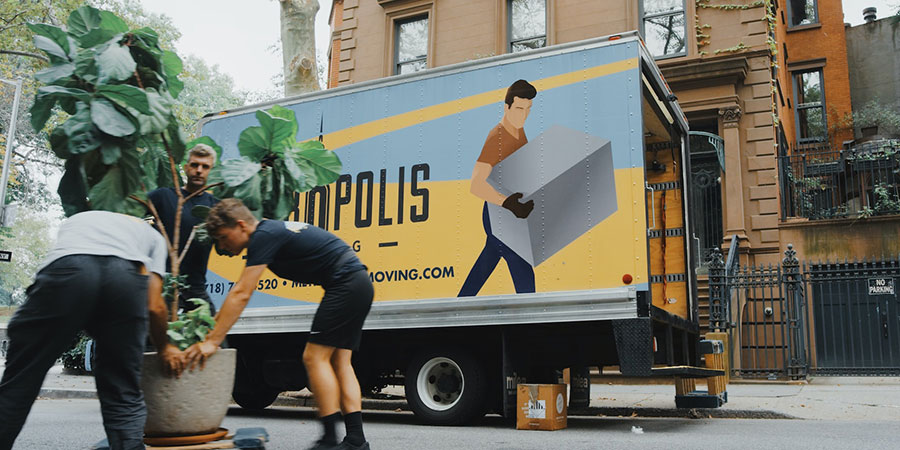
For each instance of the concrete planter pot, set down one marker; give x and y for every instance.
(194, 404)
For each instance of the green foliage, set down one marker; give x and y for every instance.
(273, 165)
(119, 86)
(29, 240)
(170, 283)
(876, 114)
(73, 358)
(192, 326)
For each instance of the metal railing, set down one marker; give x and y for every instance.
(818, 182)
(794, 319)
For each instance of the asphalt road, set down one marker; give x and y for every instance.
(76, 424)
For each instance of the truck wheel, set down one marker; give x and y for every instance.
(446, 387)
(255, 399)
(250, 389)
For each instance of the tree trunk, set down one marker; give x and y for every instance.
(298, 43)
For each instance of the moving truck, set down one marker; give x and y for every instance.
(588, 264)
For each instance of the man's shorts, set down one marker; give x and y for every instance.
(338, 321)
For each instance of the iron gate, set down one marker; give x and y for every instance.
(791, 320)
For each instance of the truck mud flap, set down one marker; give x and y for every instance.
(634, 343)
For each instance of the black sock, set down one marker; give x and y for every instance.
(329, 425)
(353, 423)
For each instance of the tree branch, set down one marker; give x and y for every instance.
(203, 189)
(28, 54)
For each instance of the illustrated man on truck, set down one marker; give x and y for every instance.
(502, 141)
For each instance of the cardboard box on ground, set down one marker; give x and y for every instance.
(541, 407)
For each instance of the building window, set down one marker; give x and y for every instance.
(810, 100)
(664, 27)
(803, 12)
(527, 24)
(411, 46)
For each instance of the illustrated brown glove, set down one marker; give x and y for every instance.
(519, 209)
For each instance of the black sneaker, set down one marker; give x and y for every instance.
(323, 445)
(345, 445)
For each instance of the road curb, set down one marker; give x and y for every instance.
(399, 404)
(63, 393)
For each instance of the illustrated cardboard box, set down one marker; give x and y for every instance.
(570, 177)
(541, 407)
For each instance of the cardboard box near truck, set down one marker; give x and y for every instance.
(541, 407)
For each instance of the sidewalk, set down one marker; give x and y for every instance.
(823, 398)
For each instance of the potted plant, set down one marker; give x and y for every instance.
(121, 140)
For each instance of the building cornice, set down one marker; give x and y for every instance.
(707, 73)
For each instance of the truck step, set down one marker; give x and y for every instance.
(686, 372)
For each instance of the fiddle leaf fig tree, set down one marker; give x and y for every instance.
(273, 165)
(121, 139)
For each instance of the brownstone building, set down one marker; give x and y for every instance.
(766, 89)
(735, 66)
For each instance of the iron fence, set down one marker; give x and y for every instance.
(793, 319)
(821, 183)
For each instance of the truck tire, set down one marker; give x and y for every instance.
(446, 387)
(250, 389)
(255, 399)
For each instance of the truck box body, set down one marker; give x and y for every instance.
(408, 145)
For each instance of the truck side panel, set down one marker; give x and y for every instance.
(409, 147)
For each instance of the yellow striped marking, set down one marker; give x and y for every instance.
(386, 125)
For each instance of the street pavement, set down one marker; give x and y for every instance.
(821, 398)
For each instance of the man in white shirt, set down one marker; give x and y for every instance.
(94, 279)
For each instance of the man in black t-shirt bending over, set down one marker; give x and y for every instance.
(305, 254)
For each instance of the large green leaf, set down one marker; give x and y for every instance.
(295, 177)
(126, 96)
(158, 119)
(278, 131)
(55, 34)
(249, 193)
(83, 136)
(147, 36)
(130, 163)
(325, 164)
(175, 140)
(97, 36)
(109, 120)
(284, 203)
(83, 20)
(235, 172)
(115, 63)
(41, 111)
(109, 194)
(112, 22)
(172, 64)
(111, 149)
(73, 188)
(86, 66)
(59, 143)
(51, 48)
(253, 143)
(55, 72)
(174, 85)
(60, 91)
(200, 211)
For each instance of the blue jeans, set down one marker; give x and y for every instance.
(521, 271)
(107, 297)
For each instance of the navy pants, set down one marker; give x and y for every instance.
(521, 271)
(103, 295)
